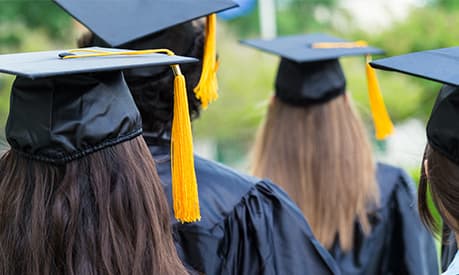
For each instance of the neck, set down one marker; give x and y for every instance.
(157, 139)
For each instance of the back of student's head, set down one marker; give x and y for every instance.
(440, 167)
(320, 154)
(152, 89)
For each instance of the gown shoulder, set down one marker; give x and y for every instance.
(248, 226)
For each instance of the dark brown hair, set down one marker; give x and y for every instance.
(321, 156)
(104, 214)
(153, 94)
(442, 180)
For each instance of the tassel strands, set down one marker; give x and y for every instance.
(382, 122)
(207, 89)
(184, 184)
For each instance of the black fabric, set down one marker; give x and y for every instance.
(179, 39)
(398, 242)
(302, 84)
(248, 226)
(443, 125)
(59, 119)
(448, 247)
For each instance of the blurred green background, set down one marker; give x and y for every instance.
(226, 130)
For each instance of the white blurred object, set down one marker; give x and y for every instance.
(406, 147)
(267, 16)
(374, 15)
(206, 148)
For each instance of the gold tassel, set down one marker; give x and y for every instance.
(184, 185)
(382, 122)
(207, 89)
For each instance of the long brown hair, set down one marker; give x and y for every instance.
(321, 156)
(443, 183)
(105, 214)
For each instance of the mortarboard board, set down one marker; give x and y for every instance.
(35, 65)
(67, 104)
(302, 49)
(118, 22)
(310, 73)
(439, 65)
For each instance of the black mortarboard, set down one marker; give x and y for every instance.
(120, 21)
(63, 109)
(310, 73)
(65, 105)
(439, 65)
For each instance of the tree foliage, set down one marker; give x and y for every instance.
(36, 14)
(447, 4)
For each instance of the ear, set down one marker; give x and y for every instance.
(426, 167)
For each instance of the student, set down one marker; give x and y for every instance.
(79, 192)
(246, 225)
(314, 145)
(441, 159)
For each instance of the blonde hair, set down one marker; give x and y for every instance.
(321, 156)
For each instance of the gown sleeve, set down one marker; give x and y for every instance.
(267, 234)
(419, 255)
(448, 248)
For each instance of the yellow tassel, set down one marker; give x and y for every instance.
(184, 185)
(207, 89)
(382, 122)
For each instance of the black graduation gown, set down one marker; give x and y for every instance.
(248, 226)
(448, 248)
(398, 242)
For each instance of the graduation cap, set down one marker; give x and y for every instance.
(310, 73)
(68, 104)
(118, 22)
(440, 65)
